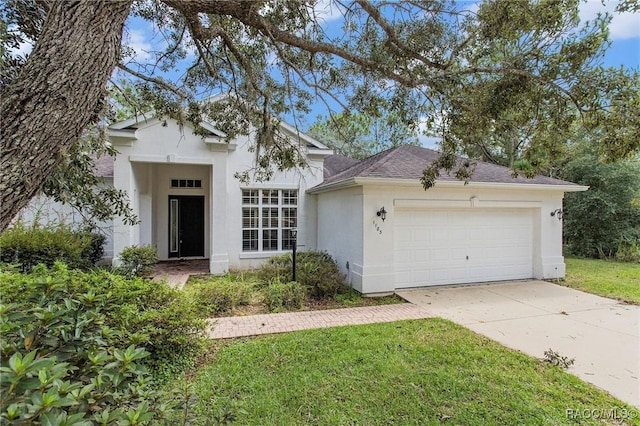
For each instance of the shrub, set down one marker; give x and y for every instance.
(219, 295)
(138, 261)
(94, 251)
(30, 246)
(276, 268)
(61, 364)
(149, 314)
(319, 272)
(279, 296)
(315, 270)
(628, 250)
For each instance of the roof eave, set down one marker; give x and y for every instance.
(293, 131)
(140, 118)
(319, 153)
(342, 184)
(514, 185)
(122, 137)
(357, 181)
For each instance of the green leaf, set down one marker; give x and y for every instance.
(51, 419)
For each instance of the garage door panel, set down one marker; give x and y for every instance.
(456, 234)
(519, 251)
(419, 255)
(439, 255)
(492, 253)
(440, 276)
(404, 276)
(460, 246)
(477, 234)
(403, 233)
(478, 273)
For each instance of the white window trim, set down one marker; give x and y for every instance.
(194, 180)
(280, 206)
(261, 254)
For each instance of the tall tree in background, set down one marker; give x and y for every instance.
(408, 59)
(360, 136)
(604, 220)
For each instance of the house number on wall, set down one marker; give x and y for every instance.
(375, 225)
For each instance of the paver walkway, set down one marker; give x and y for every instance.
(176, 272)
(251, 325)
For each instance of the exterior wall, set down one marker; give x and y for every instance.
(124, 235)
(340, 231)
(378, 275)
(550, 264)
(145, 166)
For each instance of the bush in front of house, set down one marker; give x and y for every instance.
(75, 347)
(138, 261)
(284, 296)
(316, 270)
(28, 246)
(276, 268)
(95, 250)
(137, 311)
(218, 296)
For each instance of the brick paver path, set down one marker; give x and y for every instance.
(251, 325)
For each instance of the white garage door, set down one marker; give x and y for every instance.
(433, 247)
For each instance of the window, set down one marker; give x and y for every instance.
(173, 226)
(268, 216)
(186, 183)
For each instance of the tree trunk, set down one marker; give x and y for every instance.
(58, 92)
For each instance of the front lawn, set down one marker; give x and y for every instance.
(410, 372)
(607, 278)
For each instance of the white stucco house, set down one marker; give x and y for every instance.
(385, 231)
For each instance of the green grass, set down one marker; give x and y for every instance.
(606, 278)
(409, 372)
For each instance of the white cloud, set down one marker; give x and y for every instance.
(425, 132)
(23, 50)
(623, 25)
(429, 142)
(471, 7)
(327, 10)
(137, 40)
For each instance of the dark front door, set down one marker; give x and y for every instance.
(186, 226)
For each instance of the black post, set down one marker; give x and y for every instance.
(295, 246)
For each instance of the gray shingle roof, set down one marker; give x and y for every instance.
(336, 163)
(408, 162)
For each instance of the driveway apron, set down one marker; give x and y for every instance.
(603, 335)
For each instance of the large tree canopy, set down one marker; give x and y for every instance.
(457, 66)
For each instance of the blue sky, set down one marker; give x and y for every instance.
(624, 33)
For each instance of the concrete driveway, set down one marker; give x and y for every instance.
(602, 335)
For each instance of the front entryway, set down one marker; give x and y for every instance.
(186, 226)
